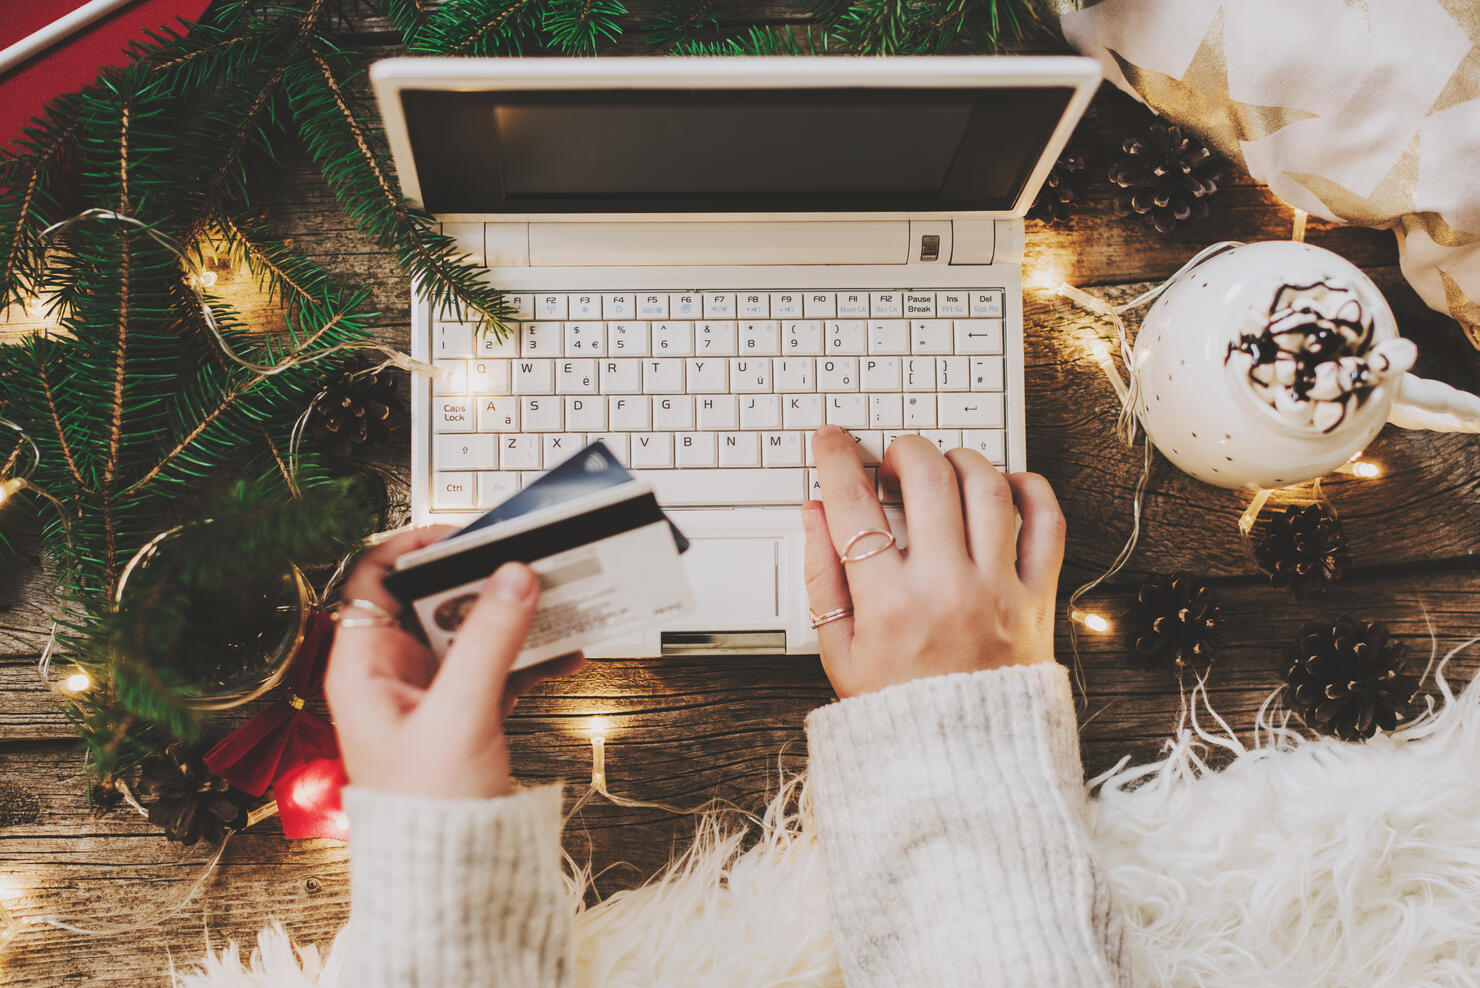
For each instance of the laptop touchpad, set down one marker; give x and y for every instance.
(734, 580)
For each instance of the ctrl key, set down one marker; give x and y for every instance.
(453, 490)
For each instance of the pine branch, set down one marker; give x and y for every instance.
(480, 27)
(578, 27)
(409, 16)
(757, 40)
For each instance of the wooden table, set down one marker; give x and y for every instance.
(685, 730)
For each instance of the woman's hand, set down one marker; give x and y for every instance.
(969, 593)
(408, 725)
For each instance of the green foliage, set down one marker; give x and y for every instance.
(579, 26)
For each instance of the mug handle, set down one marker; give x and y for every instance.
(1428, 404)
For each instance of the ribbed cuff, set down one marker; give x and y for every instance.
(951, 815)
(456, 891)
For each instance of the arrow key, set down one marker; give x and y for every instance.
(969, 411)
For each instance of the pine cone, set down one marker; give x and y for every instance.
(1302, 547)
(185, 799)
(1347, 679)
(1063, 189)
(355, 408)
(1167, 176)
(1174, 623)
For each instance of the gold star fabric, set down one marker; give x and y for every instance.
(1360, 111)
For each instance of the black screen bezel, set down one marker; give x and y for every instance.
(428, 123)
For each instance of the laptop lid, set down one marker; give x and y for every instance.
(714, 137)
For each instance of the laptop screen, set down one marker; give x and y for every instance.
(813, 150)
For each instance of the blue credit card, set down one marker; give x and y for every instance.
(592, 469)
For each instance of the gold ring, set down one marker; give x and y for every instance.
(361, 604)
(818, 620)
(373, 621)
(847, 556)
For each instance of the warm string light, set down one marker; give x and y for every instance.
(1094, 622)
(78, 682)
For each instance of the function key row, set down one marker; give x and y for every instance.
(975, 303)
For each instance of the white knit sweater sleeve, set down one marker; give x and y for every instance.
(464, 892)
(951, 812)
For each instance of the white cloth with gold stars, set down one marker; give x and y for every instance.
(1359, 111)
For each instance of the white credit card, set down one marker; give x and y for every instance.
(607, 562)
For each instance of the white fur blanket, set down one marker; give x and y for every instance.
(1301, 863)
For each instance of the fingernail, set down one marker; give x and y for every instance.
(513, 582)
(830, 430)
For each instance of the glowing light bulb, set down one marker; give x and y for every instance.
(1366, 470)
(596, 727)
(207, 279)
(1094, 622)
(77, 682)
(11, 486)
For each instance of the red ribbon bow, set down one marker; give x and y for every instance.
(277, 745)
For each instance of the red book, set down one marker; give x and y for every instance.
(73, 61)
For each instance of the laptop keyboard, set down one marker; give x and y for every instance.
(711, 396)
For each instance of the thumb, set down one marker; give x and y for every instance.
(477, 665)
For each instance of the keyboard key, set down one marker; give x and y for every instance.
(760, 412)
(542, 415)
(888, 336)
(978, 336)
(986, 374)
(673, 339)
(919, 411)
(716, 339)
(847, 337)
(970, 411)
(750, 375)
(621, 377)
(870, 446)
(781, 449)
(954, 304)
(930, 336)
(853, 305)
(802, 338)
(760, 338)
(662, 377)
(453, 490)
(651, 306)
(627, 339)
(944, 439)
(585, 414)
(585, 339)
(678, 488)
(952, 374)
(796, 374)
(675, 414)
(585, 307)
(496, 488)
(540, 339)
(498, 413)
(786, 305)
(614, 441)
(707, 375)
(885, 305)
(919, 374)
(618, 307)
(469, 452)
(886, 411)
(452, 339)
(986, 304)
(991, 443)
(819, 305)
(686, 306)
(576, 377)
(487, 343)
(630, 414)
(550, 307)
(718, 413)
(917, 304)
(881, 374)
(837, 374)
(523, 306)
(519, 452)
(802, 411)
(740, 449)
(652, 450)
(457, 381)
(560, 446)
(534, 377)
(848, 411)
(719, 305)
(453, 414)
(753, 305)
(694, 449)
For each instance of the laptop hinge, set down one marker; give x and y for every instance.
(719, 243)
(724, 642)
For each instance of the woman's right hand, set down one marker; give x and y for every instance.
(969, 593)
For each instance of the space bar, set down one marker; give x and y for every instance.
(676, 488)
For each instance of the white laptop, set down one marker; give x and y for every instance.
(711, 257)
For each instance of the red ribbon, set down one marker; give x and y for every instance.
(277, 745)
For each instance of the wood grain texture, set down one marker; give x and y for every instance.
(688, 730)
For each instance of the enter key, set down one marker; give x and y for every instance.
(970, 411)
